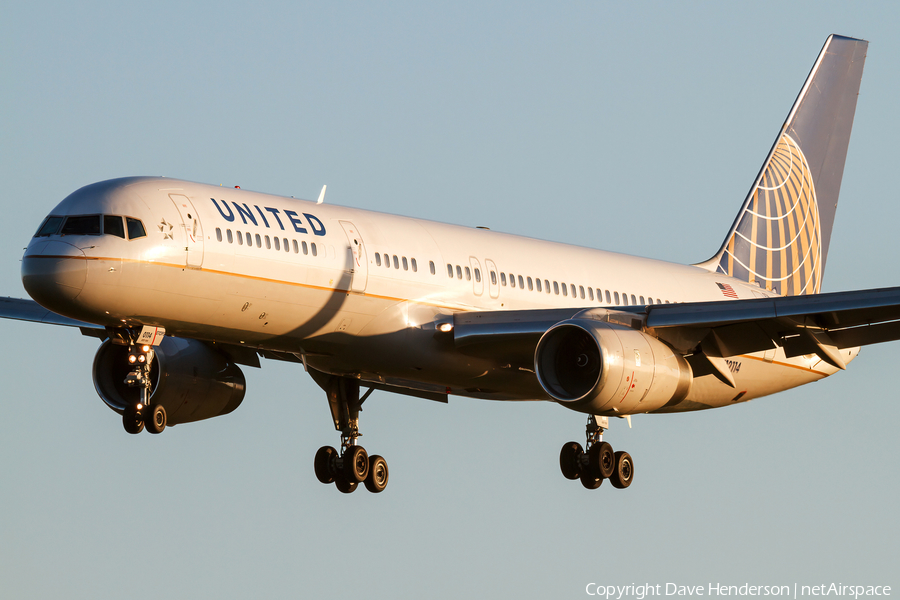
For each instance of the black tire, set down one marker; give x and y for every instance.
(324, 464)
(589, 481)
(344, 486)
(377, 479)
(602, 460)
(131, 420)
(155, 419)
(356, 464)
(570, 460)
(624, 473)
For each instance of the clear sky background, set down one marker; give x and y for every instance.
(627, 126)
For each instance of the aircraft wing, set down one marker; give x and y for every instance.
(29, 310)
(817, 324)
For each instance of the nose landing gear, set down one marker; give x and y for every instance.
(141, 414)
(596, 461)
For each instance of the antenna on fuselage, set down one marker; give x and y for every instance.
(321, 195)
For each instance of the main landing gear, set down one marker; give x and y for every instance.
(596, 461)
(351, 465)
(140, 414)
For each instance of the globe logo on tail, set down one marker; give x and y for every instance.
(777, 243)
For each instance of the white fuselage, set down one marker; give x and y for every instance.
(353, 292)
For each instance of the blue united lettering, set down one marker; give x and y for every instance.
(247, 216)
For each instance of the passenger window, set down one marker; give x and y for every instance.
(633, 300)
(458, 272)
(135, 228)
(50, 227)
(449, 270)
(591, 293)
(286, 245)
(572, 287)
(405, 264)
(295, 247)
(431, 266)
(581, 290)
(503, 279)
(113, 226)
(229, 236)
(521, 283)
(305, 248)
(240, 239)
(478, 275)
(538, 282)
(512, 280)
(82, 225)
(249, 239)
(218, 233)
(258, 241)
(277, 244)
(617, 298)
(608, 301)
(268, 243)
(565, 289)
(414, 266)
(556, 288)
(493, 278)
(377, 260)
(315, 250)
(468, 274)
(547, 285)
(624, 299)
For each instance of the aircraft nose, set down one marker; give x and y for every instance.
(53, 273)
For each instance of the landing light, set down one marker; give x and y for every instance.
(132, 358)
(445, 327)
(145, 348)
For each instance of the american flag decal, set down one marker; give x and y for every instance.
(727, 290)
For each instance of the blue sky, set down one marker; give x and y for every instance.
(635, 127)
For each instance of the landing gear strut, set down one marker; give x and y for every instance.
(142, 414)
(596, 461)
(351, 465)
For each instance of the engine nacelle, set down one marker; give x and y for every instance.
(190, 380)
(602, 369)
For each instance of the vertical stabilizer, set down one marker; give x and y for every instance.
(780, 237)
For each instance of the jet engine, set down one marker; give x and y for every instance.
(603, 369)
(191, 380)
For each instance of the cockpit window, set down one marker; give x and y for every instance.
(135, 228)
(50, 226)
(82, 225)
(113, 226)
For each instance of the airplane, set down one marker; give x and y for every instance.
(184, 282)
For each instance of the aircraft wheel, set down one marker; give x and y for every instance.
(589, 481)
(377, 479)
(570, 460)
(132, 421)
(602, 460)
(156, 420)
(356, 464)
(624, 472)
(324, 464)
(345, 487)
